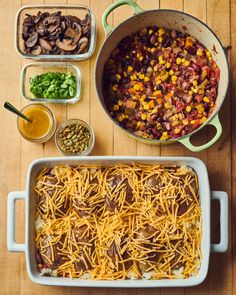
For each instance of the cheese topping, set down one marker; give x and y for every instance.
(118, 222)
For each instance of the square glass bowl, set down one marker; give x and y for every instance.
(33, 69)
(74, 10)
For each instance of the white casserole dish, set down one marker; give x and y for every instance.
(29, 196)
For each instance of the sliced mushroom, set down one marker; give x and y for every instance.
(41, 31)
(74, 34)
(36, 50)
(32, 40)
(86, 29)
(66, 45)
(83, 44)
(51, 20)
(45, 44)
(53, 28)
(86, 21)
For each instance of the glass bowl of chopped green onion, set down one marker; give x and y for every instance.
(51, 83)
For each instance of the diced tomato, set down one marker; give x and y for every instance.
(201, 61)
(215, 72)
(180, 105)
(198, 97)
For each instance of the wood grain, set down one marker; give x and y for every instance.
(16, 153)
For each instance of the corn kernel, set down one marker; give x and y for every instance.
(136, 87)
(201, 109)
(164, 136)
(146, 79)
(206, 99)
(201, 91)
(162, 62)
(146, 107)
(192, 122)
(155, 68)
(155, 110)
(175, 123)
(139, 124)
(204, 74)
(178, 60)
(188, 109)
(195, 82)
(164, 77)
(161, 31)
(150, 32)
(190, 92)
(171, 72)
(118, 76)
(160, 57)
(125, 74)
(167, 105)
(194, 90)
(120, 102)
(185, 121)
(144, 116)
(186, 63)
(115, 87)
(159, 39)
(140, 58)
(153, 49)
(141, 76)
(173, 78)
(203, 120)
(177, 130)
(208, 53)
(168, 65)
(116, 107)
(199, 52)
(120, 118)
(129, 69)
(152, 62)
(183, 60)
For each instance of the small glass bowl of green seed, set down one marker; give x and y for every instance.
(75, 137)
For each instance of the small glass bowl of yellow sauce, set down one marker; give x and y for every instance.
(42, 125)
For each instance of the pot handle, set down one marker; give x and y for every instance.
(222, 197)
(216, 123)
(11, 245)
(108, 28)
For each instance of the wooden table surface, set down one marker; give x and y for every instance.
(16, 153)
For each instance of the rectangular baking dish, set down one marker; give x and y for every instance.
(33, 69)
(75, 10)
(30, 202)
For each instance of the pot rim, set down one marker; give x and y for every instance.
(214, 113)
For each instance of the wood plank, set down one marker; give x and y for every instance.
(219, 156)
(232, 54)
(101, 124)
(10, 148)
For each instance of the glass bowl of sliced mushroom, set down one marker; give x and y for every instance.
(75, 137)
(50, 33)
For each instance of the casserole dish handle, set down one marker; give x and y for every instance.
(216, 123)
(108, 28)
(11, 244)
(222, 197)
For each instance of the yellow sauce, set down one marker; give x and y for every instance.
(40, 124)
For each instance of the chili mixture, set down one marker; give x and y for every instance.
(160, 83)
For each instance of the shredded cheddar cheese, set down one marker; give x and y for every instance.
(118, 222)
